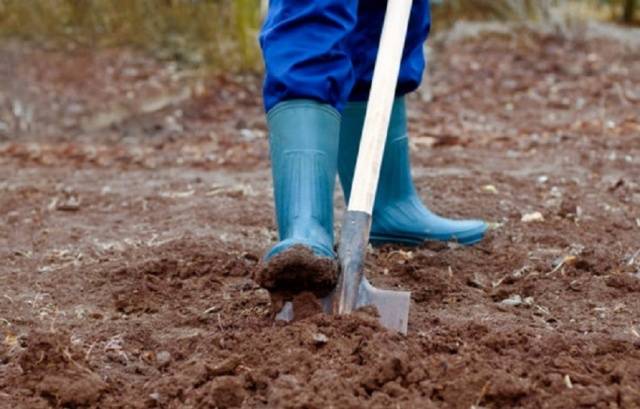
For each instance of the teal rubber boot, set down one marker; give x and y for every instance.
(399, 216)
(304, 138)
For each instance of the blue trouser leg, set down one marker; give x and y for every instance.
(363, 46)
(305, 52)
(325, 50)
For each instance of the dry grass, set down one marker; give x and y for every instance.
(223, 33)
(448, 12)
(218, 33)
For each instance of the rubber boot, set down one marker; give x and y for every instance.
(399, 216)
(304, 138)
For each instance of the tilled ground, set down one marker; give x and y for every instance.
(135, 202)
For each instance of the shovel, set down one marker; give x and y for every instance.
(354, 290)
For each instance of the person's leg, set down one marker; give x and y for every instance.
(363, 47)
(308, 79)
(305, 53)
(399, 215)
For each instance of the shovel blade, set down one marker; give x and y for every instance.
(392, 306)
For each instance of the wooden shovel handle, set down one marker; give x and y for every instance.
(383, 89)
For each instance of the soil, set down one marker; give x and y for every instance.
(135, 204)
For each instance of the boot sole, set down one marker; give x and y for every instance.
(297, 269)
(381, 239)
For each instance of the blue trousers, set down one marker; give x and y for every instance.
(325, 50)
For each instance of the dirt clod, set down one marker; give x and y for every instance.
(225, 392)
(54, 369)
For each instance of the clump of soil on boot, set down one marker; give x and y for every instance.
(296, 270)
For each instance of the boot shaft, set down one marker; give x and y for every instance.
(395, 172)
(303, 137)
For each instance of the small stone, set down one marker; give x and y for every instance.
(320, 338)
(489, 189)
(71, 204)
(478, 280)
(163, 358)
(262, 296)
(252, 134)
(555, 192)
(512, 301)
(567, 381)
(532, 217)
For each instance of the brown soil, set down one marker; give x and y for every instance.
(128, 238)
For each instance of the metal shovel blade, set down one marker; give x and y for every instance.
(354, 290)
(392, 306)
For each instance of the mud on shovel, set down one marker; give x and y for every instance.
(354, 290)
